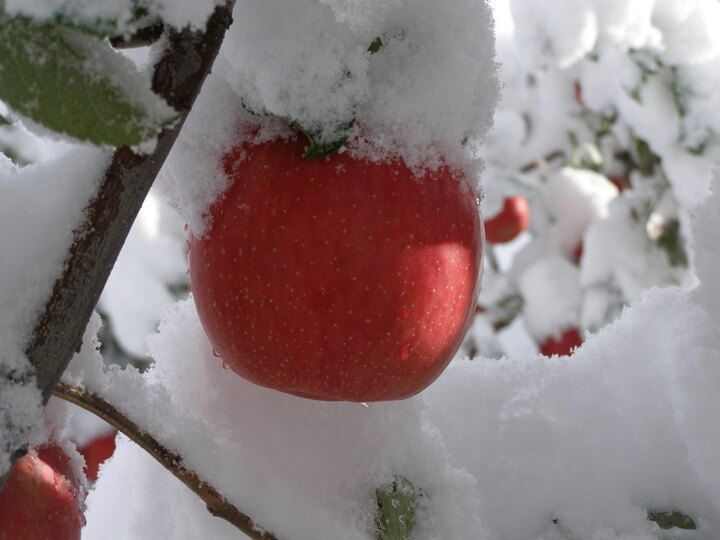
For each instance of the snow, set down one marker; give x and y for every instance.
(575, 199)
(40, 206)
(506, 445)
(153, 260)
(178, 13)
(430, 87)
(551, 289)
(594, 440)
(706, 255)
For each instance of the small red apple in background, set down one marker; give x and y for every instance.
(564, 345)
(337, 278)
(510, 222)
(621, 182)
(577, 253)
(96, 452)
(42, 498)
(578, 93)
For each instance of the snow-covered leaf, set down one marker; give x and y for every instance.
(671, 520)
(73, 83)
(397, 503)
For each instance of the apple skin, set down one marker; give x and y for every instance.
(337, 279)
(510, 222)
(577, 253)
(96, 452)
(564, 345)
(42, 498)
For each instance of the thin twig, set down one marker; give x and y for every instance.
(557, 154)
(217, 505)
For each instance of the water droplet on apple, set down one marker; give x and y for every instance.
(225, 365)
(215, 353)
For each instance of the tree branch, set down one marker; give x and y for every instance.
(217, 505)
(57, 334)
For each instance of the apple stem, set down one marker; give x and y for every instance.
(216, 504)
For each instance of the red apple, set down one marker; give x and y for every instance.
(337, 278)
(578, 93)
(42, 498)
(513, 219)
(563, 345)
(96, 452)
(621, 182)
(577, 252)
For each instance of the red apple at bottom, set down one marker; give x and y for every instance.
(337, 278)
(510, 222)
(563, 345)
(42, 498)
(96, 452)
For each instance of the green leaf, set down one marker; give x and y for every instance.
(672, 243)
(397, 503)
(322, 145)
(679, 93)
(324, 141)
(698, 149)
(671, 519)
(643, 157)
(635, 93)
(375, 46)
(96, 27)
(74, 83)
(648, 62)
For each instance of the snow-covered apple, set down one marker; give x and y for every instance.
(96, 452)
(562, 345)
(510, 222)
(42, 498)
(337, 278)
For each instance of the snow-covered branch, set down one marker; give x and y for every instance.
(178, 77)
(217, 505)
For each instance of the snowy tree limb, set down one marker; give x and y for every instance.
(58, 333)
(178, 77)
(217, 505)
